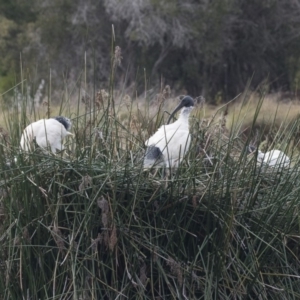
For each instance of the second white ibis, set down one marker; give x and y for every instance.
(273, 158)
(47, 133)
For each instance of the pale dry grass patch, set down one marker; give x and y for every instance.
(272, 111)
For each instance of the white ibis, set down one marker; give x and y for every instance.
(170, 143)
(273, 158)
(47, 133)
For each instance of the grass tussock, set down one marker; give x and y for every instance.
(91, 223)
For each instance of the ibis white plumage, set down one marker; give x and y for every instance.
(170, 143)
(273, 158)
(47, 133)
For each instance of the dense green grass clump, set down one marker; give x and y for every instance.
(92, 224)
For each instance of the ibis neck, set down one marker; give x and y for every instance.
(184, 114)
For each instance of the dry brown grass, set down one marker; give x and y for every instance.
(141, 115)
(272, 111)
(241, 111)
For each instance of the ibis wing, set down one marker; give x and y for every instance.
(29, 133)
(177, 145)
(154, 138)
(159, 138)
(173, 140)
(275, 157)
(47, 132)
(170, 139)
(51, 133)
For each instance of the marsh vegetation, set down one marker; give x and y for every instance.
(91, 223)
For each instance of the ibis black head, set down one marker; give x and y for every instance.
(64, 121)
(186, 101)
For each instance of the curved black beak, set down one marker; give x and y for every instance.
(181, 105)
(187, 101)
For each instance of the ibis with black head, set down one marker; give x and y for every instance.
(47, 133)
(169, 144)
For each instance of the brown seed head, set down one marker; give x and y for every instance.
(117, 57)
(86, 182)
(175, 269)
(103, 204)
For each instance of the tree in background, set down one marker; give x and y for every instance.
(207, 47)
(17, 21)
